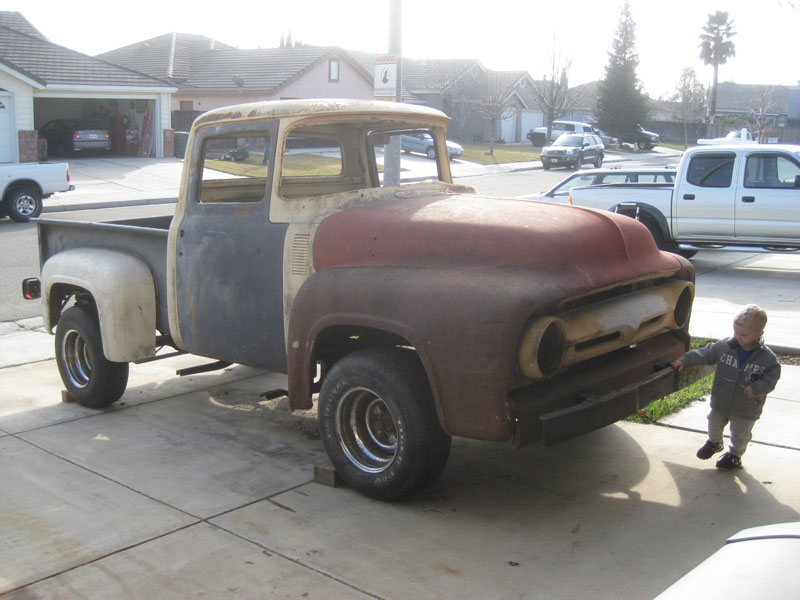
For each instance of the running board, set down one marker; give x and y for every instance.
(214, 366)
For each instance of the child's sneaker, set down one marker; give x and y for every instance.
(709, 449)
(729, 461)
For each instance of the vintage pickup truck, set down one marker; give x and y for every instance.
(734, 195)
(25, 184)
(416, 311)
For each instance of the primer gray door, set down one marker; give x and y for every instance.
(230, 257)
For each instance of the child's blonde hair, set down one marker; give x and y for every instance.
(753, 316)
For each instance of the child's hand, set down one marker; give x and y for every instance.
(677, 365)
(748, 391)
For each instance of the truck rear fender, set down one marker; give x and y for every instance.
(122, 288)
(645, 213)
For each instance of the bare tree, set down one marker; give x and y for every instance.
(458, 99)
(689, 99)
(493, 105)
(552, 92)
(759, 121)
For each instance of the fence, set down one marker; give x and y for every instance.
(671, 131)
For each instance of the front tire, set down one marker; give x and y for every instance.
(24, 204)
(642, 145)
(379, 425)
(431, 153)
(90, 378)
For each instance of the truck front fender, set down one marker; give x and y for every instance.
(123, 291)
(464, 325)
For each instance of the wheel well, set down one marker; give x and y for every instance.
(60, 296)
(22, 183)
(337, 342)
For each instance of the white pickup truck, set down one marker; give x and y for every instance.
(25, 184)
(736, 195)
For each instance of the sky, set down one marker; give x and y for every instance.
(518, 35)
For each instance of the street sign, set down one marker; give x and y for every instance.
(385, 77)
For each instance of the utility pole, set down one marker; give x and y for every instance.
(391, 156)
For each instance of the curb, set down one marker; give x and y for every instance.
(107, 204)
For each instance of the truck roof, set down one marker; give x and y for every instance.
(316, 107)
(743, 146)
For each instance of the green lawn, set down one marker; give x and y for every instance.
(503, 153)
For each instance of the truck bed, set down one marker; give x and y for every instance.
(605, 196)
(146, 238)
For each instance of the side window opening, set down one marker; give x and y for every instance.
(417, 154)
(235, 168)
(770, 171)
(711, 170)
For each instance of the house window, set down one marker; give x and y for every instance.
(187, 105)
(333, 70)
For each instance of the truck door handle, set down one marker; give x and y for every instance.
(688, 196)
(748, 198)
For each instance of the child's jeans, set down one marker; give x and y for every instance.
(741, 430)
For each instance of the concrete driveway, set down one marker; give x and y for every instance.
(201, 487)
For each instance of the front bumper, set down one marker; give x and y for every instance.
(579, 402)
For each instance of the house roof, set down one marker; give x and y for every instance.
(742, 97)
(47, 65)
(584, 96)
(15, 20)
(195, 62)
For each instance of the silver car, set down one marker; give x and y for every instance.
(66, 136)
(422, 143)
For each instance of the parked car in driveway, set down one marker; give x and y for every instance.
(560, 191)
(562, 127)
(572, 150)
(422, 143)
(608, 140)
(644, 140)
(66, 136)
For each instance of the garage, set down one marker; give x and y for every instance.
(127, 113)
(128, 123)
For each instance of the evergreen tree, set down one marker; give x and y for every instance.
(621, 103)
(716, 47)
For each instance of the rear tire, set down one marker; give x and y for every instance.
(431, 153)
(90, 378)
(599, 162)
(379, 425)
(24, 204)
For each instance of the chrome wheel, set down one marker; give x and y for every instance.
(366, 430)
(77, 362)
(25, 205)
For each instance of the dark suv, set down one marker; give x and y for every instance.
(572, 150)
(644, 140)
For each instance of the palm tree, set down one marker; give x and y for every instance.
(716, 48)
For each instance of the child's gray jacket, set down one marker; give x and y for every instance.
(761, 371)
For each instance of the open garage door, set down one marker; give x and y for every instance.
(129, 122)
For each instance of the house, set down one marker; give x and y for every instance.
(467, 91)
(747, 101)
(40, 81)
(209, 74)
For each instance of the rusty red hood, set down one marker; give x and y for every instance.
(472, 232)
